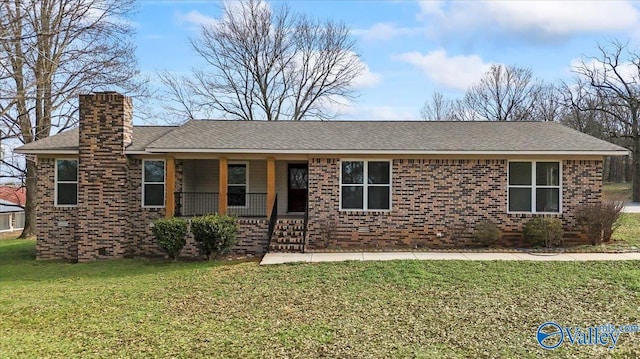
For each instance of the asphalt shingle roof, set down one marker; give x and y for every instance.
(350, 136)
(68, 140)
(418, 136)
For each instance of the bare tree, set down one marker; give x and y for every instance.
(614, 78)
(505, 93)
(53, 50)
(549, 105)
(264, 63)
(438, 108)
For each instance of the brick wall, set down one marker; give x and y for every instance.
(252, 236)
(55, 226)
(430, 197)
(140, 218)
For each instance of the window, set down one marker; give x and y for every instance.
(237, 185)
(66, 182)
(365, 185)
(534, 187)
(153, 183)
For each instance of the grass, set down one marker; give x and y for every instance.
(617, 191)
(425, 309)
(628, 230)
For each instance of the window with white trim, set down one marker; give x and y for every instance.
(365, 185)
(66, 182)
(153, 183)
(534, 187)
(237, 184)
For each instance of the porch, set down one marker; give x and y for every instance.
(265, 190)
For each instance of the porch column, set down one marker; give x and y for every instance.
(271, 184)
(170, 205)
(224, 178)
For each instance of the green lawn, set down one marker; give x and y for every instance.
(617, 191)
(628, 230)
(142, 308)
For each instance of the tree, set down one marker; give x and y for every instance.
(437, 108)
(264, 63)
(613, 77)
(53, 50)
(505, 93)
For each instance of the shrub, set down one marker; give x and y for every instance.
(486, 232)
(170, 235)
(543, 231)
(599, 220)
(214, 234)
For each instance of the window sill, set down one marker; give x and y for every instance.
(535, 213)
(365, 210)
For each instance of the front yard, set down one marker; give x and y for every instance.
(143, 308)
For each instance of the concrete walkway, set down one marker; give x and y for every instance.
(279, 258)
(631, 207)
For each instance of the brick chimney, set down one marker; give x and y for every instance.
(103, 176)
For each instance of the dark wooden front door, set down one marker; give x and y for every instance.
(298, 187)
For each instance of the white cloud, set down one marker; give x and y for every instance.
(195, 18)
(430, 7)
(384, 31)
(349, 110)
(455, 72)
(627, 70)
(367, 78)
(533, 18)
(369, 112)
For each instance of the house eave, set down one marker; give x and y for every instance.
(46, 152)
(156, 151)
(378, 152)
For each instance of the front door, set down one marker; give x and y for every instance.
(297, 188)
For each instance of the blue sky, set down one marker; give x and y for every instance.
(411, 48)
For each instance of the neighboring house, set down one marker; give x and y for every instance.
(304, 185)
(11, 212)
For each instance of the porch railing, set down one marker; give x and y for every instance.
(190, 204)
(247, 205)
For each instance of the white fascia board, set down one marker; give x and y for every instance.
(47, 152)
(385, 152)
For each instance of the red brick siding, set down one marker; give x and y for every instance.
(55, 226)
(431, 197)
(140, 218)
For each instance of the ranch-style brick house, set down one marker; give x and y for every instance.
(303, 186)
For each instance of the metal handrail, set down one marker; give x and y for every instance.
(273, 219)
(304, 229)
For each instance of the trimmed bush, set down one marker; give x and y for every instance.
(214, 234)
(543, 231)
(170, 235)
(486, 232)
(599, 220)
